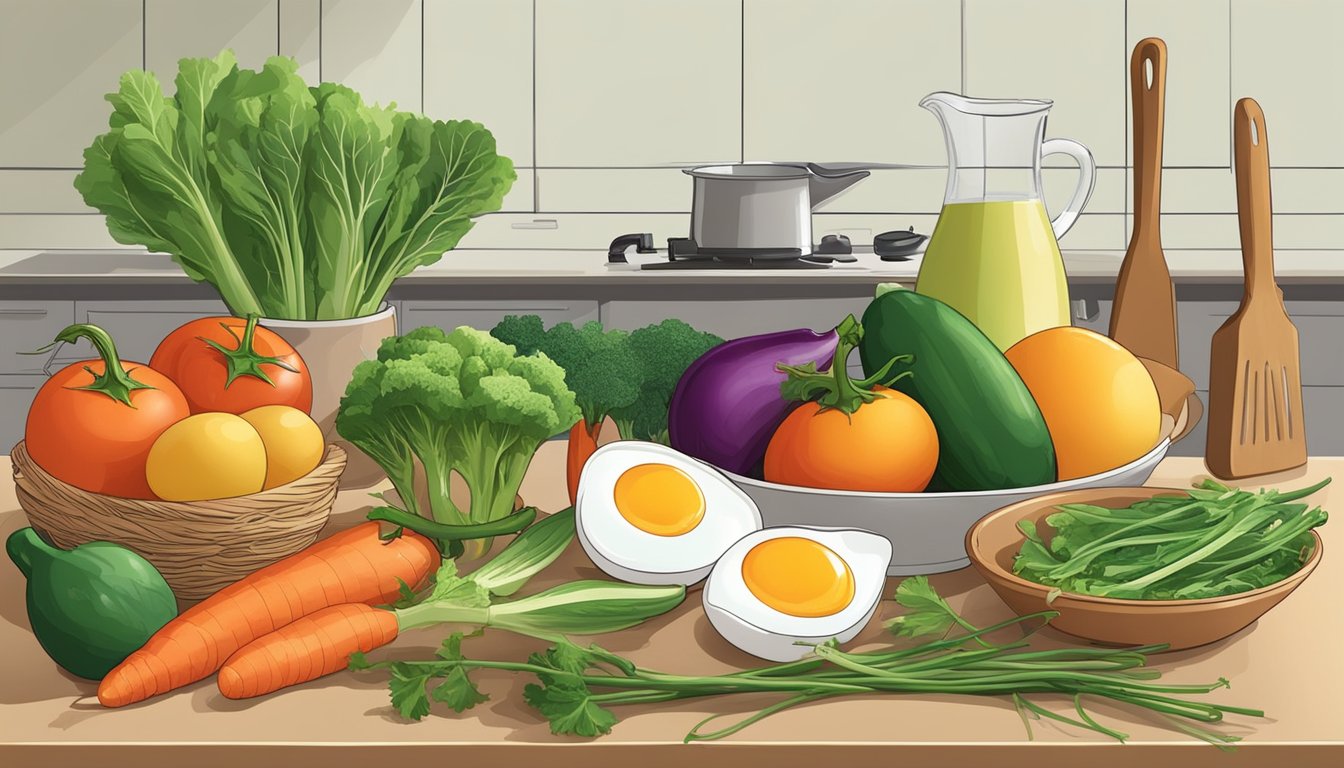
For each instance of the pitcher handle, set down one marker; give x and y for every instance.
(1087, 178)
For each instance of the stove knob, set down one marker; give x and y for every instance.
(642, 241)
(834, 244)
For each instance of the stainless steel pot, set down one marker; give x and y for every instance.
(765, 207)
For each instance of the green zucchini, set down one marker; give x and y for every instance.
(991, 434)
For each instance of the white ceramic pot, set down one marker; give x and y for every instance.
(331, 349)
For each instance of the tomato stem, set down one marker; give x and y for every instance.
(115, 382)
(835, 389)
(243, 360)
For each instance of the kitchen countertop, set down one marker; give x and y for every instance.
(1288, 663)
(499, 266)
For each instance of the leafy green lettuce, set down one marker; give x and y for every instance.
(294, 202)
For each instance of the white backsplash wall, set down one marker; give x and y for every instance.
(594, 100)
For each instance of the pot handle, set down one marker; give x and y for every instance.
(1087, 178)
(840, 170)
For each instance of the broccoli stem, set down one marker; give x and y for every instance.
(438, 478)
(493, 471)
(625, 427)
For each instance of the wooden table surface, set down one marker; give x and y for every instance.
(1289, 664)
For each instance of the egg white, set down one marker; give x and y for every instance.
(752, 626)
(627, 553)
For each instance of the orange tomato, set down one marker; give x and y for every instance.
(94, 431)
(888, 445)
(231, 365)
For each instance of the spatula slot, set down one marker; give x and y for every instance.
(1288, 401)
(1272, 392)
(1246, 402)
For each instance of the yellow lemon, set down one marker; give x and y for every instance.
(206, 456)
(1099, 402)
(294, 443)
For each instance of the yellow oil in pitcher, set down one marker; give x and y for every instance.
(998, 263)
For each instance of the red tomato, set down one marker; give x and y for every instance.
(95, 431)
(231, 365)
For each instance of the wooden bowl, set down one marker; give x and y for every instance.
(198, 546)
(995, 540)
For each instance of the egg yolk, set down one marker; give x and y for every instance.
(659, 499)
(798, 577)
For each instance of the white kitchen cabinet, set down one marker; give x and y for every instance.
(1286, 55)
(1214, 190)
(1070, 52)
(300, 36)
(638, 82)
(177, 29)
(549, 231)
(484, 315)
(374, 47)
(136, 326)
(1197, 110)
(1206, 231)
(478, 66)
(59, 57)
(614, 190)
(40, 191)
(828, 81)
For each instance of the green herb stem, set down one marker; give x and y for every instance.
(445, 532)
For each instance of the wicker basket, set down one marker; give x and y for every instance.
(198, 546)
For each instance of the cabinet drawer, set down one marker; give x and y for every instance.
(136, 326)
(1320, 328)
(29, 325)
(1320, 325)
(1323, 412)
(732, 318)
(486, 314)
(16, 394)
(1196, 321)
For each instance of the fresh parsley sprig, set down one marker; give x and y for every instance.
(577, 687)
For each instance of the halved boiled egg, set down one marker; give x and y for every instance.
(778, 587)
(647, 514)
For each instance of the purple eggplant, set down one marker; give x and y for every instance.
(727, 405)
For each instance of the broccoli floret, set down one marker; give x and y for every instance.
(663, 352)
(461, 401)
(525, 332)
(600, 366)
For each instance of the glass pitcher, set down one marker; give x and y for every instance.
(994, 254)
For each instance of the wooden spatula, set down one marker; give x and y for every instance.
(1143, 318)
(1255, 382)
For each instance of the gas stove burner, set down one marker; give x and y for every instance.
(683, 253)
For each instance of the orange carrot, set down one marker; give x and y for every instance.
(316, 645)
(351, 567)
(582, 445)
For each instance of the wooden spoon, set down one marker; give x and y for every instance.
(1143, 318)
